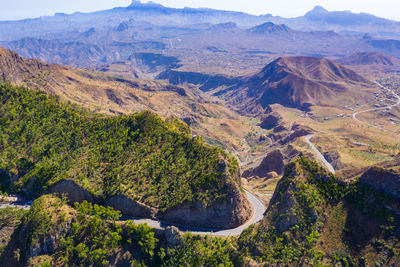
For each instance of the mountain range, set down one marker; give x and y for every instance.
(122, 128)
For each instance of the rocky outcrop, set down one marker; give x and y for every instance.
(333, 158)
(287, 208)
(129, 207)
(173, 236)
(73, 191)
(235, 211)
(190, 120)
(273, 162)
(270, 121)
(298, 130)
(49, 243)
(387, 181)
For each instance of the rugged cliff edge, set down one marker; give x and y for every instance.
(142, 164)
(316, 218)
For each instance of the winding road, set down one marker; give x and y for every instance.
(319, 154)
(376, 109)
(258, 215)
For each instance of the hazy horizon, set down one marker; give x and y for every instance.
(23, 9)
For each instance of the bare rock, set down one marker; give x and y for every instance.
(273, 162)
(270, 121)
(280, 128)
(235, 211)
(129, 207)
(297, 131)
(73, 191)
(384, 180)
(173, 236)
(190, 120)
(333, 158)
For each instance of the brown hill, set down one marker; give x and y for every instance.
(299, 82)
(369, 58)
(371, 64)
(115, 94)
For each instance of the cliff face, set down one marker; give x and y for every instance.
(387, 181)
(233, 212)
(273, 162)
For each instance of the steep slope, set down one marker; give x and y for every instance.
(140, 164)
(111, 94)
(317, 219)
(298, 82)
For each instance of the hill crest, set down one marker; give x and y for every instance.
(299, 82)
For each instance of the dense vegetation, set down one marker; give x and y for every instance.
(157, 162)
(91, 235)
(204, 251)
(315, 219)
(52, 233)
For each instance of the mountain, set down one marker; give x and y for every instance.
(298, 82)
(139, 37)
(344, 18)
(388, 46)
(115, 94)
(140, 164)
(371, 64)
(270, 28)
(74, 53)
(369, 58)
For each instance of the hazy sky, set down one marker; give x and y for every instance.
(18, 9)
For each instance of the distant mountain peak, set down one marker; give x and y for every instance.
(138, 3)
(318, 9)
(299, 82)
(270, 27)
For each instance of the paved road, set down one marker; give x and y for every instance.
(319, 154)
(14, 205)
(258, 215)
(376, 109)
(258, 208)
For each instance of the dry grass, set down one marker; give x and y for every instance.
(333, 231)
(341, 134)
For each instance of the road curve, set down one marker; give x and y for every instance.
(376, 109)
(319, 154)
(258, 214)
